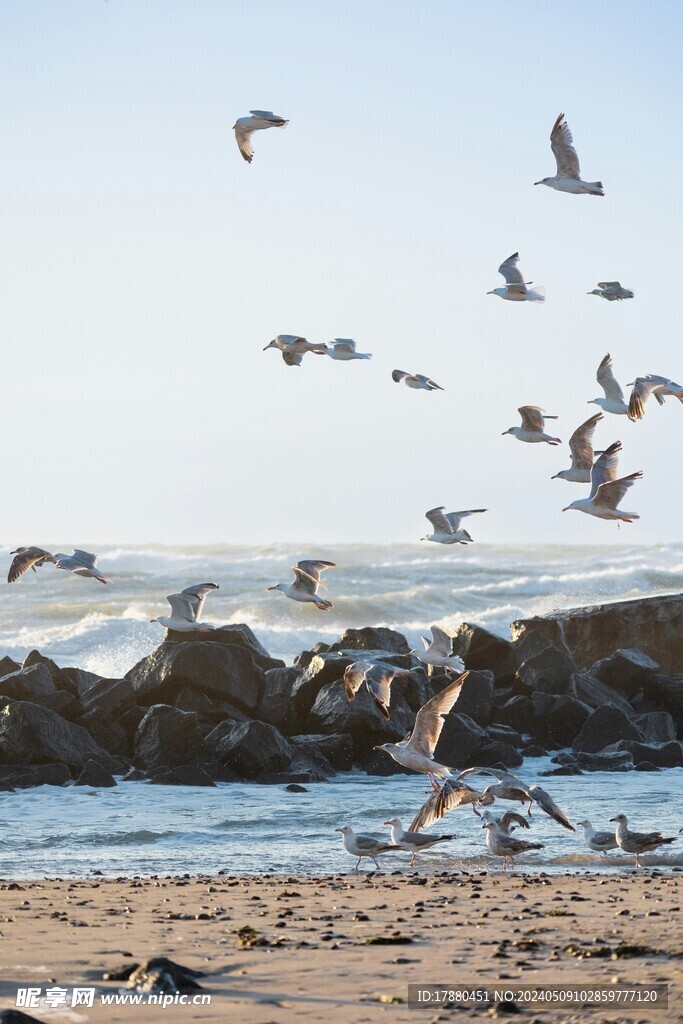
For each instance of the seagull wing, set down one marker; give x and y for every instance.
(513, 818)
(610, 494)
(399, 375)
(274, 120)
(353, 678)
(608, 381)
(25, 559)
(199, 591)
(643, 387)
(450, 796)
(507, 778)
(532, 417)
(455, 518)
(313, 567)
(345, 344)
(430, 718)
(292, 358)
(378, 680)
(509, 268)
(442, 640)
(609, 285)
(183, 606)
(605, 468)
(581, 443)
(547, 804)
(439, 521)
(243, 137)
(562, 145)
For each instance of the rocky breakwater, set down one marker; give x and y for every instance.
(207, 708)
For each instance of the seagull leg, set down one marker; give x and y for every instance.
(376, 863)
(434, 784)
(357, 864)
(528, 810)
(474, 808)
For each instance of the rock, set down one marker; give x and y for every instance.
(301, 771)
(534, 750)
(460, 740)
(564, 769)
(656, 727)
(21, 776)
(235, 635)
(134, 775)
(558, 719)
(62, 678)
(277, 706)
(360, 718)
(652, 624)
(606, 761)
(250, 748)
(77, 680)
(94, 774)
(294, 787)
(546, 672)
(372, 638)
(109, 733)
(8, 665)
(496, 753)
(504, 734)
(645, 766)
(130, 720)
(321, 670)
(476, 698)
(596, 694)
(517, 713)
(603, 727)
(379, 763)
(311, 758)
(485, 651)
(35, 684)
(162, 975)
(666, 690)
(183, 775)
(30, 734)
(304, 658)
(168, 737)
(108, 696)
(224, 671)
(626, 670)
(662, 755)
(17, 1017)
(336, 748)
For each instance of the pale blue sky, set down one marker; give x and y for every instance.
(144, 265)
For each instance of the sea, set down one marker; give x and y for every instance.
(141, 829)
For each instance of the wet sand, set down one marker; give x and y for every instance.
(309, 957)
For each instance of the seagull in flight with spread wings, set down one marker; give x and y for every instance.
(583, 456)
(377, 678)
(516, 288)
(568, 177)
(306, 583)
(533, 422)
(612, 291)
(606, 491)
(652, 384)
(447, 525)
(25, 559)
(614, 397)
(186, 609)
(527, 793)
(293, 348)
(244, 128)
(438, 652)
(418, 381)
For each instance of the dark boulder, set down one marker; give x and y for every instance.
(534, 750)
(8, 665)
(460, 740)
(547, 672)
(22, 776)
(504, 734)
(372, 638)
(250, 748)
(596, 694)
(130, 720)
(558, 719)
(108, 696)
(321, 670)
(336, 748)
(60, 677)
(184, 775)
(626, 670)
(235, 635)
(485, 651)
(476, 699)
(277, 706)
(360, 718)
(528, 642)
(666, 690)
(656, 727)
(109, 733)
(30, 734)
(170, 738)
(606, 761)
(518, 713)
(496, 753)
(603, 727)
(94, 774)
(77, 680)
(645, 766)
(304, 658)
(662, 755)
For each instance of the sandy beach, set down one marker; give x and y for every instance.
(311, 953)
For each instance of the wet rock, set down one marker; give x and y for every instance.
(108, 696)
(360, 718)
(547, 672)
(109, 733)
(183, 775)
(8, 665)
(595, 693)
(662, 755)
(476, 699)
(164, 976)
(645, 766)
(20, 776)
(528, 642)
(603, 727)
(277, 706)
(627, 671)
(460, 740)
(30, 734)
(134, 775)
(534, 750)
(321, 670)
(558, 719)
(666, 690)
(485, 651)
(34, 683)
(77, 680)
(17, 1017)
(504, 734)
(606, 761)
(169, 738)
(656, 727)
(564, 769)
(250, 748)
(518, 713)
(337, 748)
(294, 787)
(234, 635)
(493, 754)
(94, 774)
(372, 638)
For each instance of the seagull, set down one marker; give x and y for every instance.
(344, 349)
(412, 841)
(186, 609)
(643, 387)
(81, 563)
(25, 559)
(606, 491)
(637, 842)
(516, 288)
(500, 844)
(519, 790)
(244, 127)
(306, 583)
(447, 525)
(568, 177)
(415, 380)
(363, 846)
(416, 751)
(450, 796)
(438, 652)
(531, 430)
(614, 396)
(598, 842)
(581, 448)
(611, 290)
(377, 679)
(294, 348)
(507, 821)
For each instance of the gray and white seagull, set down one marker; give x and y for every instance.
(413, 842)
(377, 678)
(364, 846)
(446, 525)
(417, 381)
(516, 288)
(186, 609)
(568, 176)
(244, 128)
(25, 559)
(306, 583)
(655, 385)
(81, 563)
(638, 842)
(293, 348)
(583, 456)
(606, 490)
(612, 291)
(532, 429)
(613, 401)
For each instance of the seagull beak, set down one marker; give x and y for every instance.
(567, 509)
(538, 183)
(337, 830)
(386, 823)
(613, 819)
(376, 748)
(271, 588)
(153, 620)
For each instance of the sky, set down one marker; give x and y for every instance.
(144, 265)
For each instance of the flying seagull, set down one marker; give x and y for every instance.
(533, 422)
(186, 609)
(447, 525)
(652, 384)
(438, 652)
(524, 793)
(637, 842)
(516, 288)
(413, 842)
(598, 842)
(364, 846)
(614, 397)
(344, 349)
(416, 751)
(415, 380)
(377, 679)
(500, 844)
(568, 177)
(612, 291)
(581, 448)
(306, 583)
(606, 491)
(244, 128)
(81, 563)
(25, 559)
(507, 821)
(450, 796)
(294, 348)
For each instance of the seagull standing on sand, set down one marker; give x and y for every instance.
(447, 525)
(652, 384)
(606, 491)
(581, 448)
(294, 348)
(598, 842)
(568, 177)
(186, 609)
(344, 349)
(244, 128)
(416, 751)
(438, 652)
(377, 679)
(500, 844)
(81, 563)
(413, 842)
(519, 790)
(448, 798)
(25, 559)
(516, 288)
(306, 583)
(612, 291)
(637, 842)
(533, 422)
(614, 396)
(415, 380)
(363, 846)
